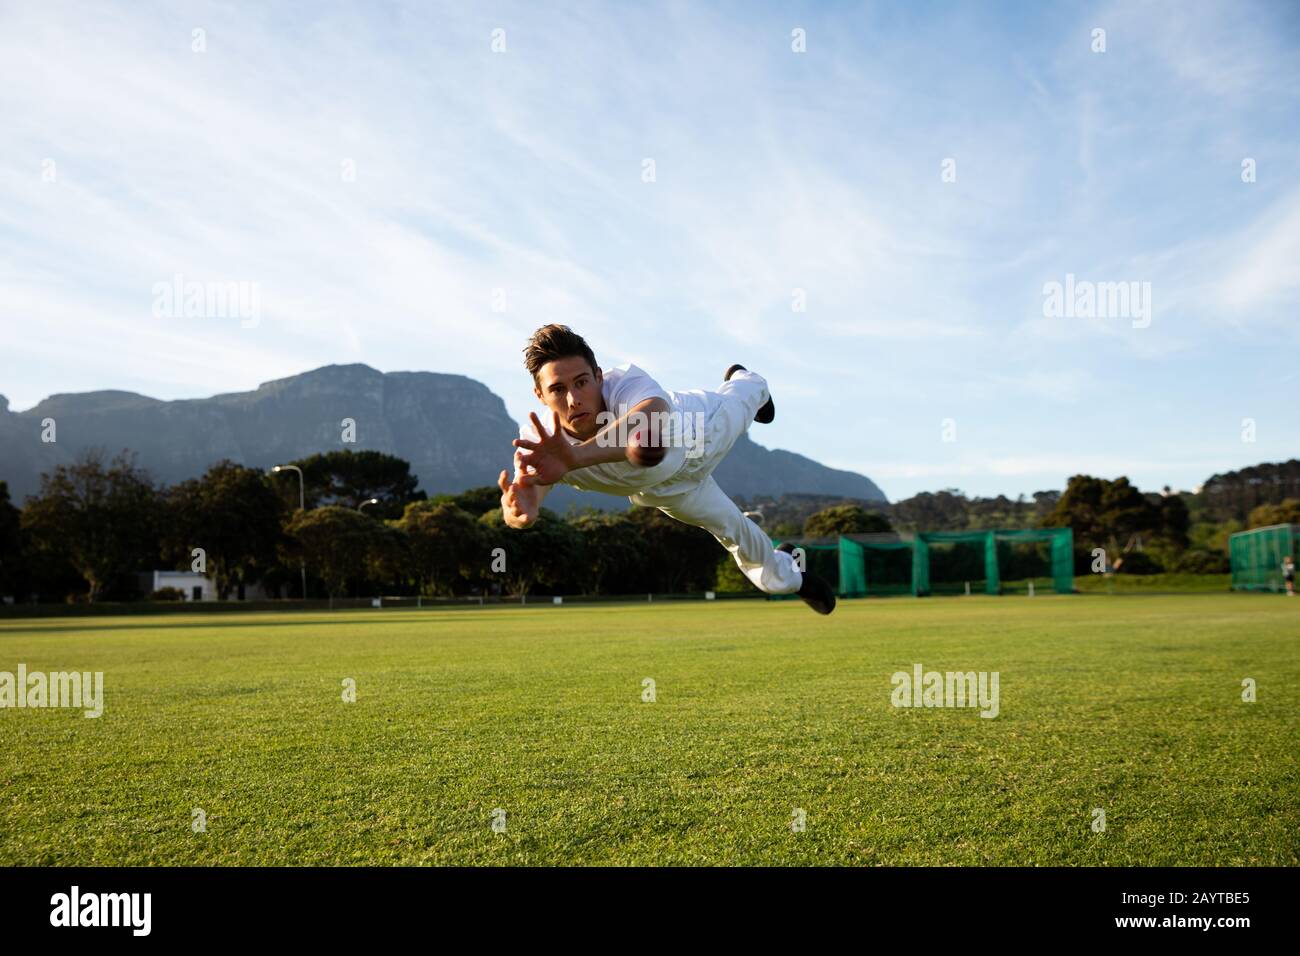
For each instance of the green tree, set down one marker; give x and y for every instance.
(678, 557)
(1173, 520)
(844, 519)
(946, 510)
(389, 561)
(10, 542)
(349, 478)
(614, 557)
(1044, 502)
(444, 541)
(1235, 494)
(338, 544)
(100, 518)
(1214, 537)
(729, 578)
(476, 501)
(235, 515)
(782, 531)
(1284, 512)
(1101, 512)
(1201, 561)
(542, 555)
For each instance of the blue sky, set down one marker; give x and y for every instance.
(774, 171)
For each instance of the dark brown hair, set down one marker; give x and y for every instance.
(552, 342)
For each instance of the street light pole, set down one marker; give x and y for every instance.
(372, 501)
(302, 506)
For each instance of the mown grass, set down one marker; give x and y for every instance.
(1128, 704)
(1152, 583)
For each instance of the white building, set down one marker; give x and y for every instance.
(195, 586)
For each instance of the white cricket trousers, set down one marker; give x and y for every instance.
(731, 409)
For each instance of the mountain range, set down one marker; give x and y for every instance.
(453, 430)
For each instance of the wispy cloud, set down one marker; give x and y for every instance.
(491, 192)
(1259, 267)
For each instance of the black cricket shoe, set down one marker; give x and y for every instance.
(814, 591)
(765, 414)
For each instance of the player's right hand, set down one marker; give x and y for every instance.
(516, 509)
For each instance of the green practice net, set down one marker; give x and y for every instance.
(958, 560)
(947, 562)
(875, 564)
(996, 561)
(1042, 555)
(1256, 556)
(1024, 563)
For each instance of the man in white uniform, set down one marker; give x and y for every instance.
(618, 432)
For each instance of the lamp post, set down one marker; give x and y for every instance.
(362, 507)
(302, 506)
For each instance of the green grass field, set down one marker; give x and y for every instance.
(1131, 704)
(1152, 583)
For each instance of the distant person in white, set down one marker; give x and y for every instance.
(602, 439)
(1288, 575)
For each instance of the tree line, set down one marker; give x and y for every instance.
(367, 529)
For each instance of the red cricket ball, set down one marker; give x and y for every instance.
(641, 454)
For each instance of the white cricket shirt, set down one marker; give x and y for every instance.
(624, 387)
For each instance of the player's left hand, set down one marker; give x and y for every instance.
(546, 461)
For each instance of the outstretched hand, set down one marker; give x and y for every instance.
(520, 504)
(547, 460)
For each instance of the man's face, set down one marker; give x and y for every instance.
(571, 387)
